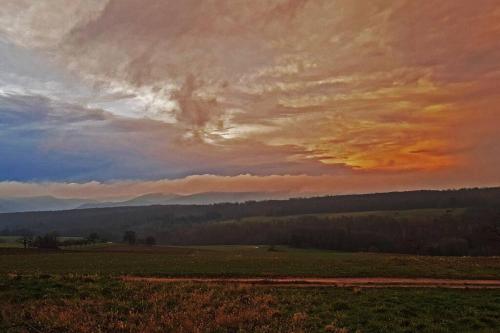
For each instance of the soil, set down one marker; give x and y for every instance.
(381, 282)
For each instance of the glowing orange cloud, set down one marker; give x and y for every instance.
(350, 92)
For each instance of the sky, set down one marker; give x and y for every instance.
(117, 98)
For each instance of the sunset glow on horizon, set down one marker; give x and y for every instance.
(117, 98)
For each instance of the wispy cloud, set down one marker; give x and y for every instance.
(335, 87)
(295, 185)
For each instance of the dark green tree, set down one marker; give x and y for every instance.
(26, 240)
(48, 241)
(150, 241)
(93, 237)
(130, 237)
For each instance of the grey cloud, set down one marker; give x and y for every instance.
(378, 78)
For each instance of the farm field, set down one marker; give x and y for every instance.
(93, 303)
(82, 290)
(10, 242)
(14, 241)
(257, 261)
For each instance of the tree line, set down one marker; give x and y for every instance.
(473, 232)
(111, 223)
(52, 240)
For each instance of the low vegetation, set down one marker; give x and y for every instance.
(89, 304)
(79, 290)
(113, 259)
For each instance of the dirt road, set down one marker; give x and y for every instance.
(332, 282)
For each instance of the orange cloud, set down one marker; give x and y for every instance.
(295, 185)
(330, 87)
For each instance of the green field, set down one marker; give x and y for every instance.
(10, 242)
(94, 304)
(397, 214)
(13, 241)
(241, 261)
(79, 290)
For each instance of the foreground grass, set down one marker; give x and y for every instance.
(96, 304)
(76, 291)
(241, 261)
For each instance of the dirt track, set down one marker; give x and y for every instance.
(333, 282)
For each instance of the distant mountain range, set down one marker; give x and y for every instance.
(43, 203)
(49, 203)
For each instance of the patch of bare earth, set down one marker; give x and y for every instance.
(332, 282)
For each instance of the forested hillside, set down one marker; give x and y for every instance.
(472, 231)
(475, 229)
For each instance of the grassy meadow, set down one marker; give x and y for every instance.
(15, 241)
(397, 214)
(115, 259)
(92, 304)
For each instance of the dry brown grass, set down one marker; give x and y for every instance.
(57, 304)
(148, 309)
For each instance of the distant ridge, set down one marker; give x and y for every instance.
(113, 221)
(203, 198)
(49, 203)
(40, 203)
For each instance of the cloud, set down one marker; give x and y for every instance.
(284, 65)
(295, 185)
(43, 140)
(44, 23)
(281, 87)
